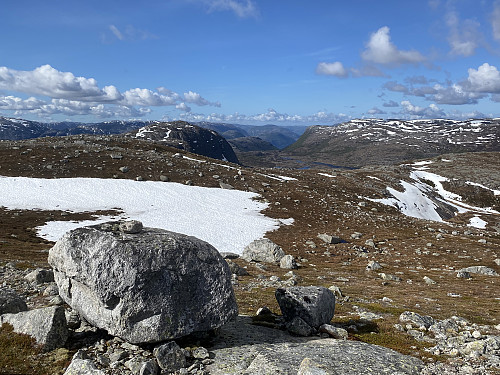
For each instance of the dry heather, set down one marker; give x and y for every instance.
(406, 247)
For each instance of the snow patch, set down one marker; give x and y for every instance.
(227, 219)
(477, 222)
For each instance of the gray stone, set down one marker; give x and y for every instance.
(335, 332)
(236, 269)
(429, 281)
(131, 226)
(417, 319)
(11, 302)
(164, 178)
(40, 276)
(124, 169)
(241, 344)
(82, 367)
(463, 274)
(170, 356)
(388, 277)
(336, 290)
(315, 305)
(481, 270)
(46, 325)
(128, 284)
(200, 353)
(263, 250)
(326, 238)
(373, 266)
(310, 367)
(223, 185)
(51, 290)
(299, 327)
(149, 368)
(288, 263)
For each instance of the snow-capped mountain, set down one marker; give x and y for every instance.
(374, 141)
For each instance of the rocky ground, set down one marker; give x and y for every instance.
(418, 259)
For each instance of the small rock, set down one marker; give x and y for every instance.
(385, 276)
(335, 332)
(46, 325)
(11, 302)
(463, 274)
(131, 226)
(200, 353)
(170, 356)
(236, 269)
(263, 250)
(315, 305)
(417, 319)
(326, 238)
(481, 270)
(226, 186)
(373, 266)
(164, 178)
(298, 327)
(40, 276)
(124, 169)
(288, 262)
(429, 281)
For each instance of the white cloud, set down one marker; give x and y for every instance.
(414, 111)
(146, 97)
(463, 35)
(495, 20)
(195, 98)
(485, 79)
(14, 103)
(71, 95)
(116, 32)
(242, 8)
(183, 107)
(332, 69)
(381, 50)
(454, 95)
(47, 81)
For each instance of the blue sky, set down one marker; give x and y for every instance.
(249, 61)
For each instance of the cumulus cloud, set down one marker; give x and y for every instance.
(495, 20)
(381, 50)
(71, 95)
(195, 98)
(485, 79)
(463, 35)
(332, 69)
(415, 111)
(183, 107)
(242, 8)
(47, 81)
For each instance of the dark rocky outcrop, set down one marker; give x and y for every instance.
(189, 137)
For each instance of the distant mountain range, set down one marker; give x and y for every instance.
(352, 144)
(373, 141)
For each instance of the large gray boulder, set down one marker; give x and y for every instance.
(244, 348)
(144, 287)
(263, 250)
(314, 305)
(11, 302)
(46, 325)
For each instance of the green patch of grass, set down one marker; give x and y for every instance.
(382, 309)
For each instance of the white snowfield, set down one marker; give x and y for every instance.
(227, 219)
(415, 200)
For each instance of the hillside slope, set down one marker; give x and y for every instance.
(367, 142)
